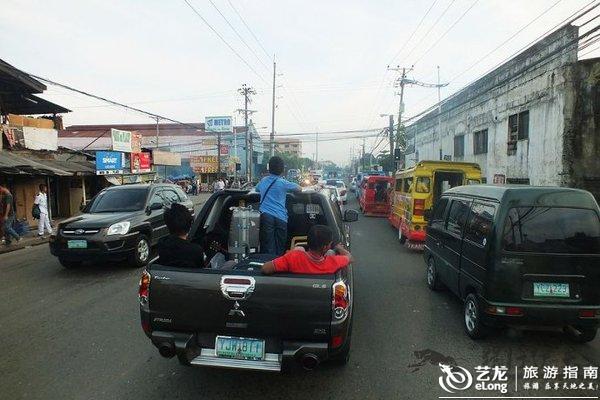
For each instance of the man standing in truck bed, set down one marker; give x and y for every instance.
(273, 217)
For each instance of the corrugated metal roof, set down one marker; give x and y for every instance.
(27, 164)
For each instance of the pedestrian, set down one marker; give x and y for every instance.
(273, 213)
(7, 216)
(42, 201)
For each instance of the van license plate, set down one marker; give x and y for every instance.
(77, 244)
(545, 289)
(240, 348)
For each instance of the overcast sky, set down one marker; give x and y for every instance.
(158, 55)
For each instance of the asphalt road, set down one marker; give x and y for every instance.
(75, 334)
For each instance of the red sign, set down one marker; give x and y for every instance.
(224, 150)
(141, 162)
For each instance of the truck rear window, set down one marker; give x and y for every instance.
(552, 230)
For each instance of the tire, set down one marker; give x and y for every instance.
(401, 238)
(141, 254)
(472, 314)
(69, 264)
(433, 280)
(578, 334)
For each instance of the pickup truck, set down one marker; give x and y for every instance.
(239, 318)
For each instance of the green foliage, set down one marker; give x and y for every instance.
(291, 161)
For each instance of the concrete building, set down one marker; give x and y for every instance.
(290, 146)
(533, 120)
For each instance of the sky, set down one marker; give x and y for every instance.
(332, 57)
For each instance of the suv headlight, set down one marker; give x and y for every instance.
(120, 228)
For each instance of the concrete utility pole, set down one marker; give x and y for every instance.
(157, 119)
(439, 88)
(391, 134)
(272, 139)
(219, 154)
(247, 92)
(317, 150)
(363, 156)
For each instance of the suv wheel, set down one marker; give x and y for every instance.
(580, 334)
(141, 253)
(69, 264)
(433, 280)
(472, 316)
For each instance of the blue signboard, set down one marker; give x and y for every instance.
(109, 162)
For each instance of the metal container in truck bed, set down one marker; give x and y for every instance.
(240, 318)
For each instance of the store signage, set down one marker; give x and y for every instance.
(121, 140)
(166, 158)
(141, 163)
(136, 142)
(204, 164)
(217, 124)
(109, 163)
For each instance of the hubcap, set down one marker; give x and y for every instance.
(470, 315)
(143, 250)
(430, 273)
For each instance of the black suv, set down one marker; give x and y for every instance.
(120, 223)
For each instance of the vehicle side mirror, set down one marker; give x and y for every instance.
(350, 215)
(427, 214)
(155, 206)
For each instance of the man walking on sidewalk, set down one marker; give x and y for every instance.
(7, 216)
(42, 201)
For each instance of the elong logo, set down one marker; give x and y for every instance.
(455, 379)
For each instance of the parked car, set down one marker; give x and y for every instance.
(120, 223)
(272, 320)
(518, 255)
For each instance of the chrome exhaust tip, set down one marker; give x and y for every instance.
(309, 361)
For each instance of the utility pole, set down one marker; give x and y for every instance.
(317, 150)
(391, 134)
(272, 138)
(439, 88)
(363, 156)
(219, 155)
(247, 92)
(157, 119)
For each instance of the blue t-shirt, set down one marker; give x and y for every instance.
(274, 203)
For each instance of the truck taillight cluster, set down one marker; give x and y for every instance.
(341, 301)
(419, 207)
(144, 290)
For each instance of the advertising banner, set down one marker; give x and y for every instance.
(109, 163)
(204, 164)
(218, 124)
(136, 142)
(166, 158)
(121, 140)
(140, 163)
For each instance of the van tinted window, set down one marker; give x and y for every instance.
(457, 216)
(480, 223)
(552, 230)
(437, 218)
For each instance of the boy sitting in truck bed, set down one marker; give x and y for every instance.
(314, 261)
(175, 249)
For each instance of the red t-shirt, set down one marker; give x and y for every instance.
(300, 262)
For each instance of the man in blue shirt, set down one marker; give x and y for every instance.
(273, 214)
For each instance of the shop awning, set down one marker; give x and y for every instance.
(16, 164)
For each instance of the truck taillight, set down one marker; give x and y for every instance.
(144, 290)
(419, 207)
(340, 301)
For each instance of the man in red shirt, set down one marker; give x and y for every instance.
(315, 260)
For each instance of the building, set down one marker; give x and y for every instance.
(29, 151)
(532, 120)
(290, 146)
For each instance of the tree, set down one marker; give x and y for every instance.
(291, 161)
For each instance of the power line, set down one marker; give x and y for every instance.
(447, 30)
(224, 41)
(248, 28)
(413, 32)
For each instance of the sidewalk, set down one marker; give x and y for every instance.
(32, 239)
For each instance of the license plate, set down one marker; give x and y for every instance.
(545, 289)
(240, 348)
(77, 244)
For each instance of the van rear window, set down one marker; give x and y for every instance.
(552, 230)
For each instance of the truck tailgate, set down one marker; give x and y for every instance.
(293, 307)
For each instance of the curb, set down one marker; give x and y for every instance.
(11, 248)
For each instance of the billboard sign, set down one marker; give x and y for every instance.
(136, 142)
(204, 164)
(109, 163)
(166, 158)
(140, 163)
(121, 140)
(218, 124)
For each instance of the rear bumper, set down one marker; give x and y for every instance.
(376, 209)
(540, 315)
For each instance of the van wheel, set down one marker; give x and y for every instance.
(401, 237)
(580, 334)
(433, 280)
(472, 317)
(141, 252)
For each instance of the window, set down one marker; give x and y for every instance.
(398, 185)
(480, 142)
(170, 196)
(480, 223)
(457, 216)
(437, 217)
(119, 200)
(473, 182)
(552, 230)
(156, 198)
(423, 184)
(518, 129)
(408, 185)
(459, 146)
(182, 195)
(523, 125)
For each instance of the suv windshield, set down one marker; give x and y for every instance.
(119, 200)
(552, 230)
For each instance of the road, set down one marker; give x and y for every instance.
(75, 334)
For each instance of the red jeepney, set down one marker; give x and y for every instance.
(375, 195)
